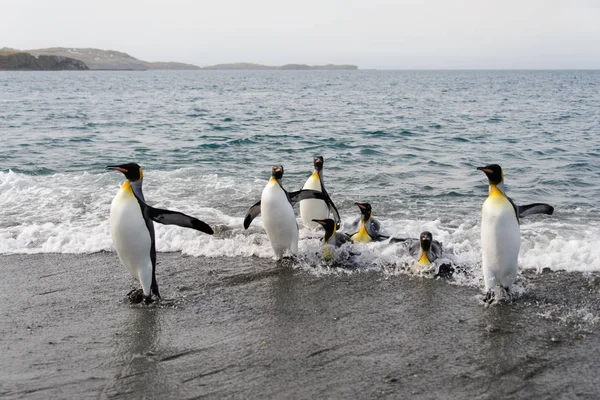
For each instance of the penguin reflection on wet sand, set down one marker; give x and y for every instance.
(279, 219)
(311, 209)
(500, 234)
(132, 229)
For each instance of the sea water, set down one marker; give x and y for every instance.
(407, 142)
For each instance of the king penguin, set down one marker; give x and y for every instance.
(369, 227)
(426, 250)
(333, 239)
(132, 229)
(312, 209)
(332, 236)
(500, 234)
(279, 219)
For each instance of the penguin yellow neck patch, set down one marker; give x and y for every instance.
(127, 186)
(424, 259)
(362, 236)
(315, 175)
(494, 191)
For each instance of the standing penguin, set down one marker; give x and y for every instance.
(132, 229)
(500, 234)
(312, 209)
(279, 219)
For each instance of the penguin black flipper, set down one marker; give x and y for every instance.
(332, 208)
(168, 217)
(535, 208)
(373, 228)
(515, 207)
(150, 226)
(304, 194)
(380, 238)
(413, 247)
(399, 240)
(436, 249)
(252, 213)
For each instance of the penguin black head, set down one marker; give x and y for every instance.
(329, 226)
(425, 238)
(318, 162)
(493, 172)
(132, 171)
(277, 172)
(365, 210)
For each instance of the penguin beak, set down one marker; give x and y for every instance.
(360, 205)
(486, 170)
(117, 168)
(319, 221)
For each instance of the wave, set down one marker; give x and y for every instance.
(68, 213)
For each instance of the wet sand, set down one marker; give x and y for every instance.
(250, 328)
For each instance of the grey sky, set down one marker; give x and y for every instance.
(392, 34)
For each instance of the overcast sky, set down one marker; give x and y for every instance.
(385, 34)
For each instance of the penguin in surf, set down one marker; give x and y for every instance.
(279, 218)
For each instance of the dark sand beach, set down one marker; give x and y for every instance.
(250, 328)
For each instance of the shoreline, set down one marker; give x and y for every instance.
(251, 328)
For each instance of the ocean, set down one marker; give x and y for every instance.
(407, 142)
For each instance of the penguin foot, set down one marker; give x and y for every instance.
(490, 296)
(507, 293)
(136, 296)
(445, 271)
(148, 300)
(287, 260)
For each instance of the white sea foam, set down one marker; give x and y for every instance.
(68, 213)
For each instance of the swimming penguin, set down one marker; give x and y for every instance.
(279, 219)
(500, 234)
(426, 250)
(332, 236)
(132, 229)
(312, 209)
(369, 227)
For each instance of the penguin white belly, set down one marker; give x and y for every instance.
(279, 220)
(312, 208)
(500, 242)
(131, 237)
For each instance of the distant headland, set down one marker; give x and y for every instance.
(63, 58)
(298, 67)
(21, 61)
